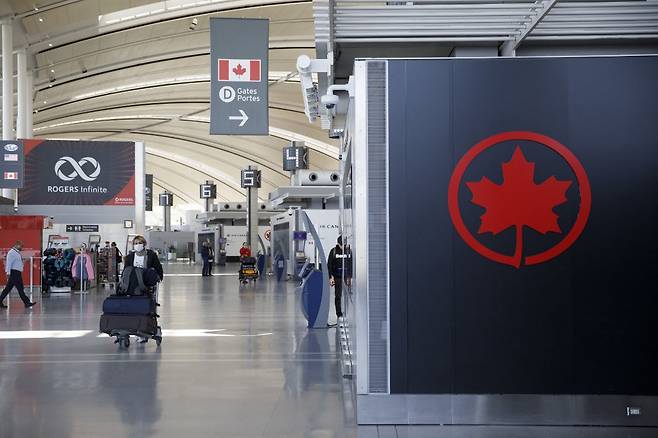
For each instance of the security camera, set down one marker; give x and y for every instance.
(195, 22)
(330, 100)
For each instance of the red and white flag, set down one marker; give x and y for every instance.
(238, 70)
(11, 175)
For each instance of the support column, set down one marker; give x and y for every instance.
(21, 89)
(167, 217)
(209, 200)
(29, 109)
(7, 89)
(139, 188)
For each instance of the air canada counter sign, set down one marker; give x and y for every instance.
(519, 198)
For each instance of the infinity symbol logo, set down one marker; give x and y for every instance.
(77, 169)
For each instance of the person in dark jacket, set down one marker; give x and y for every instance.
(144, 258)
(339, 263)
(211, 257)
(205, 256)
(118, 255)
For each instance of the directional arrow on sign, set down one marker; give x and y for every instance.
(243, 117)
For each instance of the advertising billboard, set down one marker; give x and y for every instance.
(536, 181)
(62, 172)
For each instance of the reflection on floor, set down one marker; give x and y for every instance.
(235, 362)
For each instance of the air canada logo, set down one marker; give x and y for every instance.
(516, 202)
(67, 169)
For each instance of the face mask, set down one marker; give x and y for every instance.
(139, 247)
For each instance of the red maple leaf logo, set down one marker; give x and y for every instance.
(518, 201)
(239, 70)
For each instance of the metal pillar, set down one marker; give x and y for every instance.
(252, 217)
(167, 217)
(140, 183)
(208, 201)
(7, 82)
(29, 109)
(7, 89)
(22, 94)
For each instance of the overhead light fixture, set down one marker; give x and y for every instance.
(40, 20)
(50, 44)
(45, 102)
(52, 70)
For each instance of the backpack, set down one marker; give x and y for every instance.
(132, 282)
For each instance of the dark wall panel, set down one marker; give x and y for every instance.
(581, 323)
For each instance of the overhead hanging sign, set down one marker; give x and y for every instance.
(82, 228)
(62, 172)
(12, 164)
(238, 72)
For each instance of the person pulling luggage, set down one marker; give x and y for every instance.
(143, 258)
(336, 268)
(14, 270)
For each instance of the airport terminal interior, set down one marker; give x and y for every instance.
(329, 218)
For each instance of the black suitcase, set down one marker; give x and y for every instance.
(133, 324)
(129, 305)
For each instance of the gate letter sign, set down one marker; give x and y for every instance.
(238, 73)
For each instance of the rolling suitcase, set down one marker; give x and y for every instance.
(129, 305)
(130, 324)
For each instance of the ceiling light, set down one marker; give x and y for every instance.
(52, 70)
(40, 20)
(50, 44)
(45, 102)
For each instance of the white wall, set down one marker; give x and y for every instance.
(237, 234)
(188, 212)
(112, 232)
(326, 225)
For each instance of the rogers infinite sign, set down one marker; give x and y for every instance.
(62, 172)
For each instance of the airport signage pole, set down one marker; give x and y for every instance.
(166, 201)
(208, 192)
(250, 180)
(238, 76)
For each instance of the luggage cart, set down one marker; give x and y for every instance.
(248, 271)
(123, 335)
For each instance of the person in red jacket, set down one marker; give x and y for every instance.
(245, 251)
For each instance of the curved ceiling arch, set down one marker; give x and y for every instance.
(153, 66)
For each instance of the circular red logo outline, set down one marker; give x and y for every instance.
(559, 148)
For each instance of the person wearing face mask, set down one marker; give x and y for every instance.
(14, 270)
(143, 258)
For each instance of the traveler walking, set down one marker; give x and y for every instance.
(14, 270)
(339, 263)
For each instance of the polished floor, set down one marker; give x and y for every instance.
(235, 362)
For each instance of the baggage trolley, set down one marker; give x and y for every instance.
(123, 335)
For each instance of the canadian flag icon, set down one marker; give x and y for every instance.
(238, 70)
